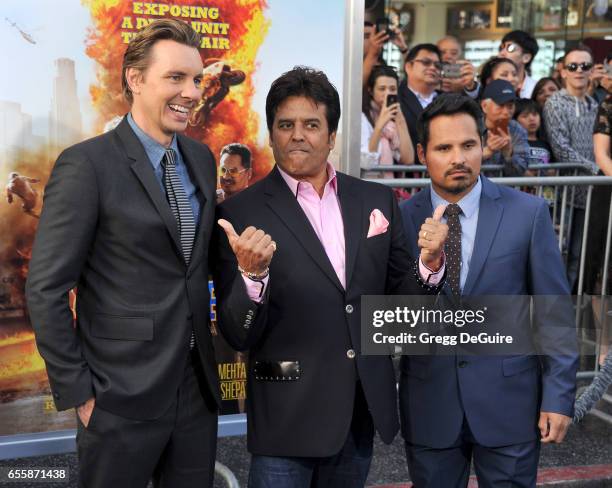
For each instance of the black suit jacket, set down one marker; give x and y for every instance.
(107, 228)
(307, 316)
(412, 109)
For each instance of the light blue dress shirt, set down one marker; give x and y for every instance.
(470, 205)
(155, 151)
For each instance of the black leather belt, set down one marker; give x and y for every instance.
(277, 370)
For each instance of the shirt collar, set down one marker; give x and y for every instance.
(155, 151)
(423, 98)
(469, 203)
(296, 186)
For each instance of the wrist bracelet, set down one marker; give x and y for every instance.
(255, 276)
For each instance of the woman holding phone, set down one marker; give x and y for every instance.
(385, 139)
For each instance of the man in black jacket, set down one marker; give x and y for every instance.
(422, 67)
(127, 219)
(313, 401)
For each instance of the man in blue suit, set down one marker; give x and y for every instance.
(494, 409)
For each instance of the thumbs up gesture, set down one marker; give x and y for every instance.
(432, 237)
(253, 248)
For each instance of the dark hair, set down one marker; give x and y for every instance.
(238, 149)
(579, 47)
(526, 105)
(526, 41)
(412, 54)
(138, 51)
(486, 72)
(540, 84)
(366, 99)
(303, 81)
(448, 104)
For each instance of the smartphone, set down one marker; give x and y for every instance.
(450, 70)
(382, 25)
(502, 125)
(391, 99)
(608, 68)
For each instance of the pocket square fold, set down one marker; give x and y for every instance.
(378, 223)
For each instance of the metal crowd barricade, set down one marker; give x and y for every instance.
(562, 206)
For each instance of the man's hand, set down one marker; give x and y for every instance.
(468, 75)
(398, 39)
(432, 237)
(253, 248)
(377, 42)
(506, 148)
(597, 74)
(498, 140)
(84, 411)
(553, 427)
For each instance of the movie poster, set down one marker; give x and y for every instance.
(62, 84)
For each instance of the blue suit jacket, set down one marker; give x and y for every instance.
(515, 253)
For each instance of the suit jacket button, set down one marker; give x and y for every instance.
(56, 396)
(247, 326)
(349, 308)
(462, 364)
(350, 354)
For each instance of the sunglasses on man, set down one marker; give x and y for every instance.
(509, 47)
(231, 171)
(573, 67)
(427, 63)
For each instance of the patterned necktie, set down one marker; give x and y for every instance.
(452, 249)
(179, 203)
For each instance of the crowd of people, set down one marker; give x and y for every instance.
(564, 109)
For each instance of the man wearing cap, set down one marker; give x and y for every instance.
(505, 141)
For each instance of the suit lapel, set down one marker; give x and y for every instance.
(142, 168)
(489, 217)
(410, 99)
(196, 163)
(354, 224)
(285, 205)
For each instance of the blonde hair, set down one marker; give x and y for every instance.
(138, 52)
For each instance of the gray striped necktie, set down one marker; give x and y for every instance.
(179, 203)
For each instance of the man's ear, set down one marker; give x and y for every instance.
(332, 140)
(134, 79)
(526, 58)
(421, 154)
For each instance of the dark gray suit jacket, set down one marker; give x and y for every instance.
(106, 228)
